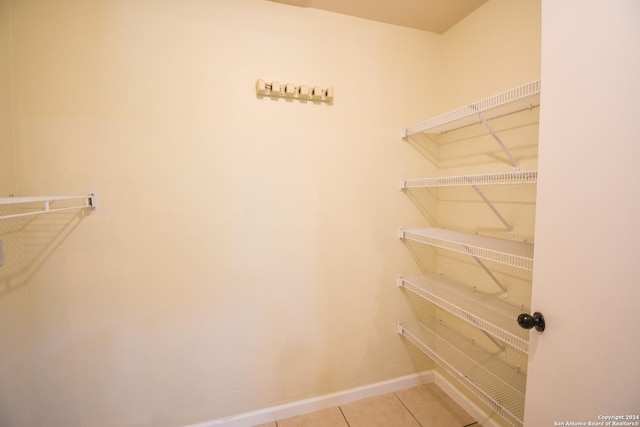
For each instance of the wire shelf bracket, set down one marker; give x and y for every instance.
(88, 201)
(495, 211)
(495, 136)
(482, 265)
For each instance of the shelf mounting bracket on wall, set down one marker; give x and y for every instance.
(496, 137)
(504, 290)
(493, 209)
(502, 347)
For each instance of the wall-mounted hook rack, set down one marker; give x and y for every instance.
(289, 90)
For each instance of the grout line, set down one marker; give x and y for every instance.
(408, 410)
(343, 416)
(467, 425)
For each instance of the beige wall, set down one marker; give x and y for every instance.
(492, 50)
(15, 371)
(7, 157)
(245, 251)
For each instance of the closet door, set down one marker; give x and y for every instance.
(586, 281)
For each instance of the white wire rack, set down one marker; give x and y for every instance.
(507, 252)
(492, 315)
(511, 101)
(524, 178)
(493, 381)
(504, 178)
(36, 205)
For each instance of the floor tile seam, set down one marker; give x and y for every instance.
(408, 410)
(475, 423)
(344, 416)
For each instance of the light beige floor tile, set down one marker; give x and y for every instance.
(273, 424)
(433, 408)
(381, 411)
(331, 417)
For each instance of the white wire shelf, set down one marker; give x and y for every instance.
(503, 178)
(507, 252)
(511, 101)
(493, 381)
(87, 201)
(492, 315)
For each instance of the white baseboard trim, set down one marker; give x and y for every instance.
(313, 404)
(306, 406)
(466, 404)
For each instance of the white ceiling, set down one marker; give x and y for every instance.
(429, 15)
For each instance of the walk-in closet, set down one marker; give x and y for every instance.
(275, 213)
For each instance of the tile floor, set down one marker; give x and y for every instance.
(423, 406)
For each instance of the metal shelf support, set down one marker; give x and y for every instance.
(497, 138)
(495, 211)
